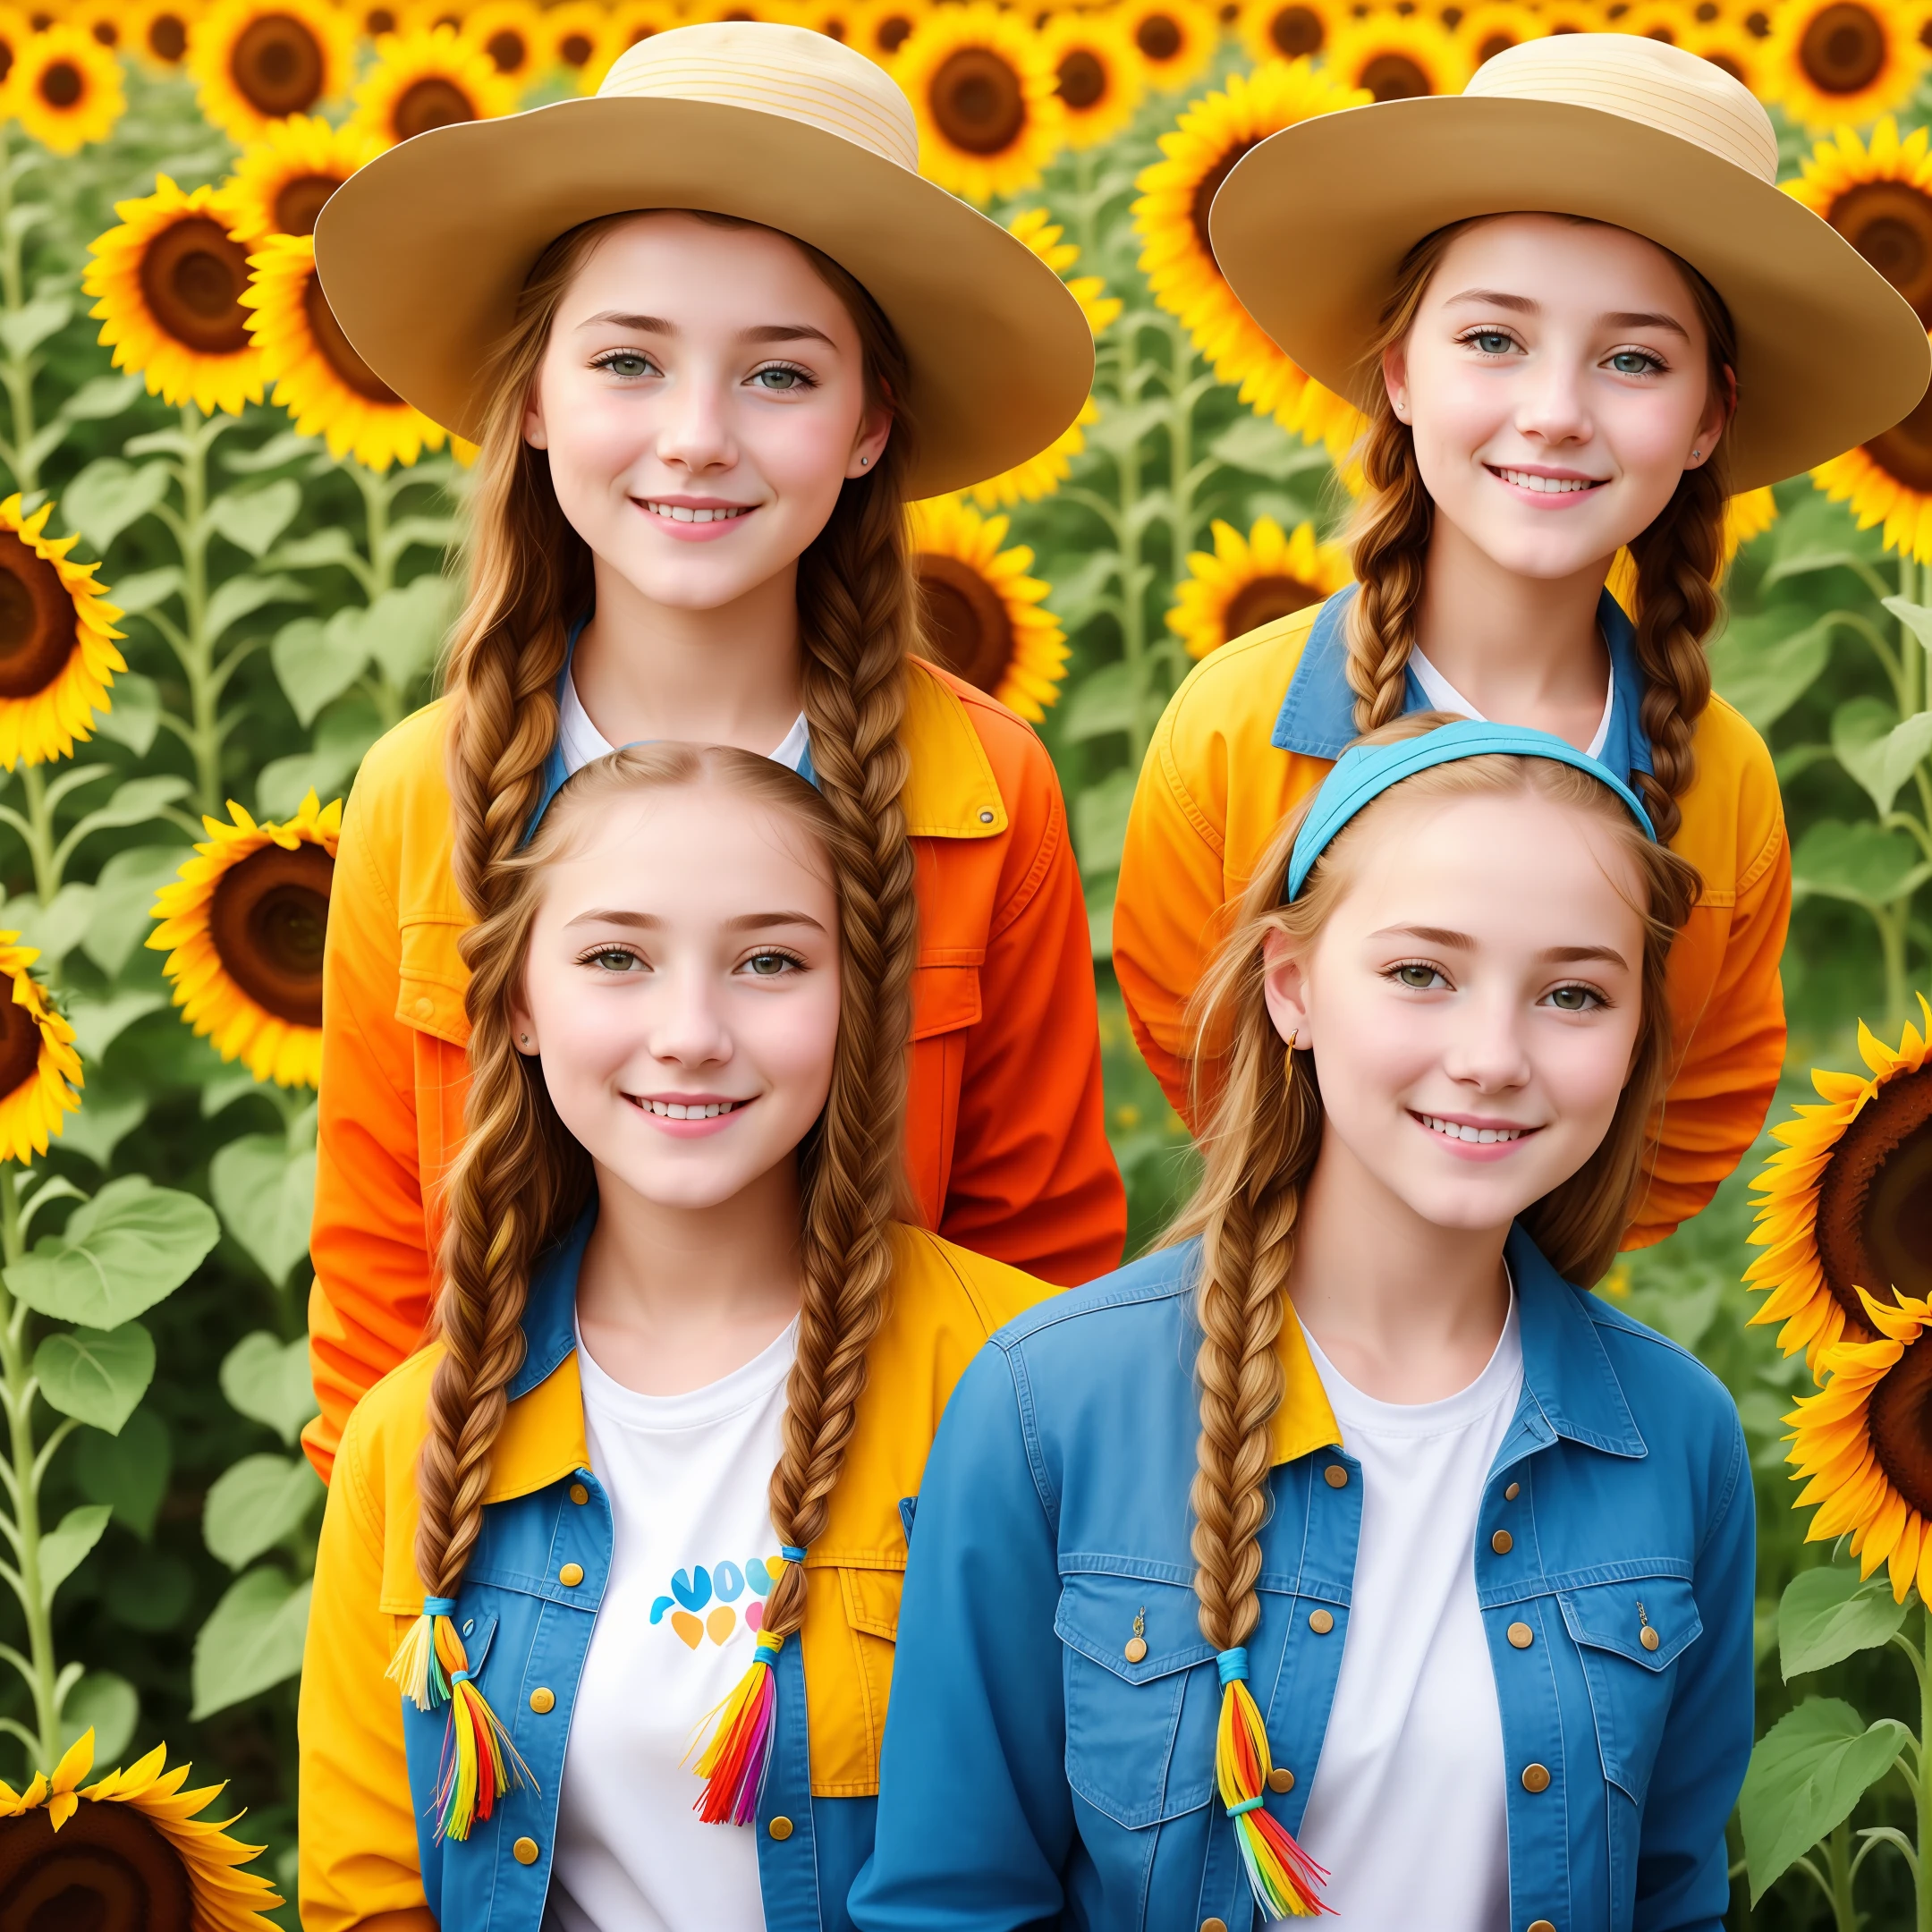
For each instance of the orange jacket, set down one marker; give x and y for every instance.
(1006, 1141)
(1219, 781)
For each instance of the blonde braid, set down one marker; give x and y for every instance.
(1389, 555)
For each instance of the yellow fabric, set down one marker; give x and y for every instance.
(1304, 1422)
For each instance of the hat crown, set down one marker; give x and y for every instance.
(1650, 81)
(776, 70)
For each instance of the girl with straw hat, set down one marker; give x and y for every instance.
(710, 331)
(1546, 391)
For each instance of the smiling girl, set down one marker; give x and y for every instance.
(686, 1370)
(711, 331)
(1544, 391)
(1460, 1632)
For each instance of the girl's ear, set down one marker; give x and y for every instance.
(534, 432)
(1284, 986)
(523, 1029)
(1719, 407)
(1396, 379)
(875, 431)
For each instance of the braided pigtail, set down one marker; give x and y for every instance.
(1388, 553)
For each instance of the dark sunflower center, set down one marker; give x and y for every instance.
(1904, 453)
(107, 1870)
(192, 275)
(432, 102)
(831, 27)
(1758, 24)
(38, 628)
(967, 628)
(1294, 31)
(1494, 44)
(277, 65)
(508, 49)
(20, 1048)
(1890, 223)
(7, 56)
(1266, 599)
(977, 101)
(62, 84)
(1082, 80)
(1925, 34)
(297, 203)
(267, 921)
(1394, 76)
(167, 37)
(1206, 188)
(1706, 12)
(1899, 1417)
(1843, 50)
(1452, 18)
(1726, 65)
(1875, 1198)
(1158, 36)
(892, 32)
(380, 21)
(338, 351)
(575, 49)
(106, 33)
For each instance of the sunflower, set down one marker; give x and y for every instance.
(170, 281)
(1171, 218)
(131, 1849)
(380, 17)
(984, 618)
(1747, 516)
(243, 929)
(1288, 30)
(57, 655)
(1174, 39)
(64, 88)
(1841, 62)
(1252, 579)
(106, 21)
(424, 81)
(1493, 26)
(39, 1070)
(259, 60)
(1393, 58)
(837, 19)
(1656, 20)
(1571, 16)
(883, 27)
(428, 13)
(576, 37)
(158, 32)
(1729, 45)
(279, 184)
(16, 31)
(511, 33)
(986, 96)
(1100, 77)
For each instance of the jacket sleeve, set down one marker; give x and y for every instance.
(360, 1869)
(1684, 1881)
(1033, 1181)
(975, 1818)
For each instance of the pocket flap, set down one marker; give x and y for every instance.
(944, 998)
(871, 1601)
(1615, 1616)
(477, 1628)
(432, 979)
(1097, 1617)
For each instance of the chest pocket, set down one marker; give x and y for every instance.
(850, 1642)
(1632, 1681)
(431, 979)
(1139, 1732)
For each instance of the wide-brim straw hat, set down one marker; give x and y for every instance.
(1312, 224)
(423, 251)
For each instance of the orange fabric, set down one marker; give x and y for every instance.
(1214, 790)
(1006, 1139)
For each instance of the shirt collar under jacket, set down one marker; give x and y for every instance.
(1318, 715)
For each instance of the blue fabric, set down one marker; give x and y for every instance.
(522, 1628)
(1035, 1778)
(1363, 773)
(1318, 715)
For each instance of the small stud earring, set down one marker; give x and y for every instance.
(523, 1039)
(863, 461)
(1695, 454)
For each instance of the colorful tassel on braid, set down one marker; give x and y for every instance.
(1284, 1876)
(733, 1764)
(479, 1762)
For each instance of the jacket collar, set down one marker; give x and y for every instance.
(1318, 715)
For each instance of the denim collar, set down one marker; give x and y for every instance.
(1318, 715)
(550, 1307)
(1567, 1373)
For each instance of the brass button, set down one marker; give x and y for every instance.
(1539, 1924)
(1649, 1638)
(1135, 1649)
(1281, 1779)
(1536, 1777)
(524, 1850)
(1214, 1925)
(1320, 1623)
(1513, 1492)
(1520, 1636)
(543, 1700)
(424, 1006)
(1502, 1542)
(780, 1828)
(1335, 1476)
(579, 1494)
(571, 1575)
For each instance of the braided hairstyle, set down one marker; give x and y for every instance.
(1679, 558)
(520, 1180)
(1264, 1134)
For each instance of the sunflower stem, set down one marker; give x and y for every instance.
(39, 832)
(197, 655)
(16, 370)
(1838, 1865)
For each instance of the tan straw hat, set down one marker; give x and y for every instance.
(422, 252)
(1311, 224)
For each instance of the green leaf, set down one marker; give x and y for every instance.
(435, 533)
(97, 1024)
(283, 449)
(317, 548)
(223, 1089)
(106, 1704)
(101, 397)
(1827, 1613)
(63, 1550)
(1264, 448)
(266, 1193)
(145, 590)
(316, 662)
(241, 596)
(56, 928)
(1079, 592)
(134, 713)
(1764, 667)
(123, 897)
(149, 1589)
(109, 495)
(1098, 704)
(1816, 534)
(404, 629)
(132, 1245)
(1858, 862)
(27, 328)
(1916, 618)
(251, 1506)
(97, 1374)
(137, 802)
(1100, 822)
(252, 520)
(1877, 751)
(346, 731)
(251, 1641)
(109, 1114)
(268, 1381)
(1808, 1772)
(129, 1472)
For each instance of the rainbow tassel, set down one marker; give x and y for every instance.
(732, 1765)
(479, 1762)
(1283, 1876)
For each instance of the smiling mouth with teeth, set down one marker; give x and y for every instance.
(677, 1110)
(1475, 1136)
(1543, 486)
(684, 514)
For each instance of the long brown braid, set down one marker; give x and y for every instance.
(1679, 557)
(1264, 1134)
(520, 1180)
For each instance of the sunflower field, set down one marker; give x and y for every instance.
(225, 570)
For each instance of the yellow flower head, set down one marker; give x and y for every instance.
(1100, 77)
(280, 185)
(883, 27)
(985, 620)
(242, 928)
(40, 1069)
(1252, 580)
(1289, 30)
(1732, 46)
(58, 654)
(985, 97)
(1493, 26)
(107, 22)
(1747, 516)
(1842, 63)
(16, 31)
(159, 31)
(1174, 39)
(511, 33)
(428, 79)
(577, 39)
(1392, 57)
(1171, 218)
(170, 281)
(65, 88)
(259, 61)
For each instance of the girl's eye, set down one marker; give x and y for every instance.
(1420, 977)
(772, 965)
(626, 364)
(615, 959)
(1490, 342)
(1635, 362)
(783, 379)
(1575, 998)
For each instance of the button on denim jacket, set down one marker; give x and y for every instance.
(1037, 1772)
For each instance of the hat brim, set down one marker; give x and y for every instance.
(1311, 224)
(423, 253)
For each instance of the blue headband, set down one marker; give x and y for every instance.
(1363, 773)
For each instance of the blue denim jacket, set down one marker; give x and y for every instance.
(1034, 1777)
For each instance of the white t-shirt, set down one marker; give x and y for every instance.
(1443, 696)
(1409, 1797)
(687, 1477)
(579, 740)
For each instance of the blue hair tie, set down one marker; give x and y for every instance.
(1234, 1664)
(458, 1676)
(439, 1607)
(791, 1553)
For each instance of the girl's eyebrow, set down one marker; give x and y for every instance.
(651, 922)
(1623, 319)
(650, 324)
(1457, 942)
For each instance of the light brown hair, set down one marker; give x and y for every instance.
(520, 1180)
(1679, 558)
(1265, 1131)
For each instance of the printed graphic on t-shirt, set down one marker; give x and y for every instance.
(717, 1603)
